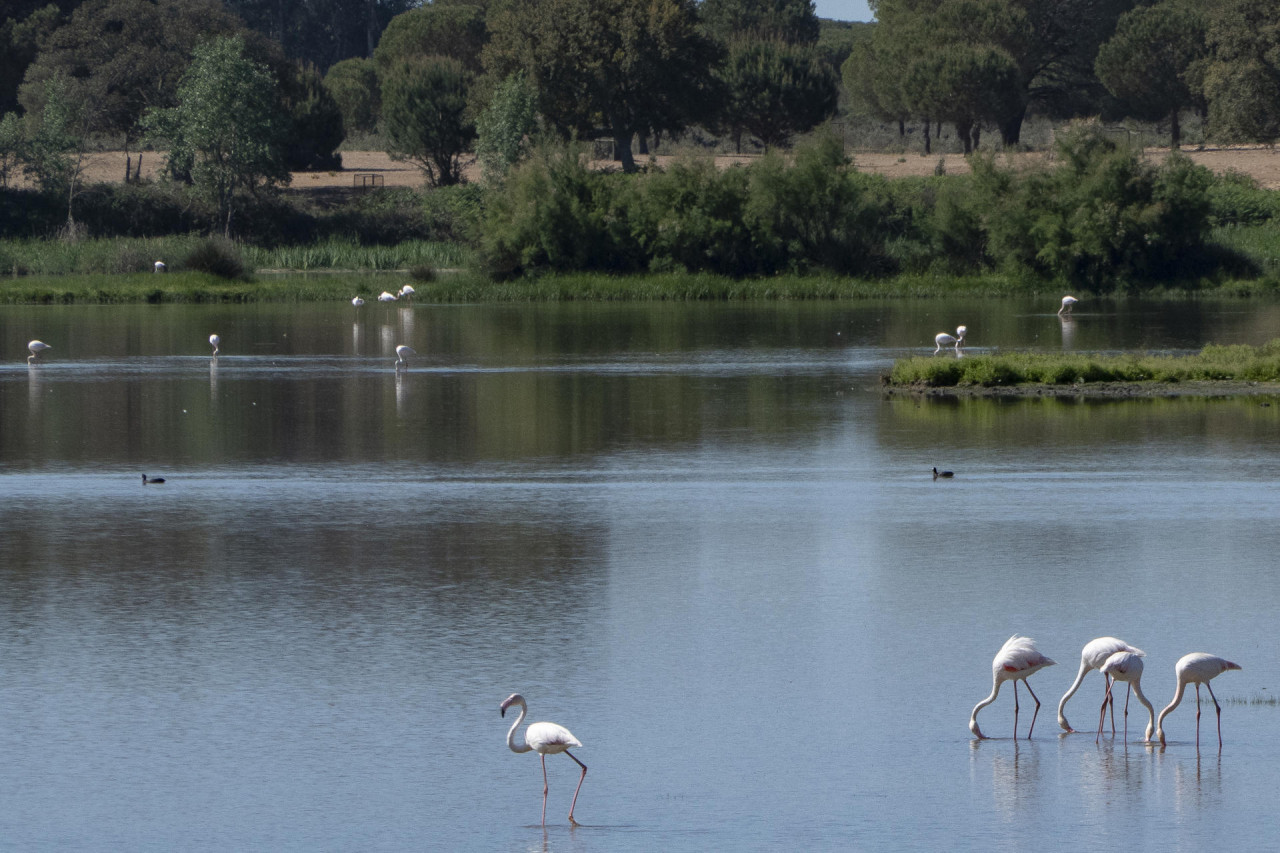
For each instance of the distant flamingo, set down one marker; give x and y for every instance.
(1196, 668)
(942, 339)
(36, 347)
(160, 266)
(357, 301)
(1126, 667)
(386, 297)
(544, 739)
(214, 340)
(1093, 656)
(1017, 659)
(401, 352)
(1067, 303)
(407, 292)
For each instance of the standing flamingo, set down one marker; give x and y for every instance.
(1127, 667)
(942, 339)
(1196, 668)
(36, 347)
(357, 301)
(386, 297)
(1017, 659)
(402, 353)
(544, 739)
(1067, 303)
(1093, 656)
(406, 292)
(214, 340)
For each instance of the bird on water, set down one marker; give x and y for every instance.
(942, 339)
(402, 354)
(1017, 660)
(1196, 668)
(1068, 302)
(147, 481)
(36, 347)
(944, 475)
(357, 301)
(1094, 654)
(214, 340)
(1126, 667)
(544, 739)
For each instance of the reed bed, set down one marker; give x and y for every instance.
(179, 287)
(1239, 363)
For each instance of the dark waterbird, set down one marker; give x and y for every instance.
(946, 475)
(146, 481)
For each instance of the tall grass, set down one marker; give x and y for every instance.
(338, 254)
(1213, 363)
(180, 287)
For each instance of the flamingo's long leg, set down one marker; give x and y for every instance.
(544, 789)
(1102, 712)
(1197, 715)
(1036, 714)
(1015, 709)
(1126, 712)
(1217, 708)
(581, 779)
(1111, 681)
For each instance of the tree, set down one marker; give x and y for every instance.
(122, 57)
(55, 143)
(315, 121)
(225, 134)
(504, 128)
(456, 31)
(961, 84)
(20, 36)
(628, 66)
(424, 105)
(353, 83)
(776, 90)
(1242, 80)
(1149, 62)
(793, 21)
(320, 31)
(12, 146)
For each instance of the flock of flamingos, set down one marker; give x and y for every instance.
(946, 339)
(1016, 661)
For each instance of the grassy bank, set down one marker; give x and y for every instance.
(1237, 363)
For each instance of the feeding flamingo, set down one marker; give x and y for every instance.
(942, 339)
(1017, 659)
(357, 301)
(544, 739)
(214, 340)
(160, 266)
(1196, 668)
(386, 297)
(1067, 303)
(401, 352)
(407, 292)
(36, 347)
(1093, 656)
(1125, 666)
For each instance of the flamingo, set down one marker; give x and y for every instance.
(160, 267)
(943, 339)
(401, 352)
(407, 292)
(214, 340)
(1017, 659)
(946, 475)
(1093, 656)
(357, 301)
(1125, 666)
(386, 297)
(544, 739)
(36, 347)
(1196, 668)
(1067, 303)
(148, 480)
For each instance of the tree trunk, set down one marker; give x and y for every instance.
(902, 128)
(963, 130)
(928, 143)
(1175, 129)
(644, 144)
(622, 150)
(1011, 126)
(977, 134)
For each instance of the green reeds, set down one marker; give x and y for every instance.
(1238, 363)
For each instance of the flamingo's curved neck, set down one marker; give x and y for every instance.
(1084, 670)
(1177, 697)
(1151, 711)
(973, 718)
(511, 735)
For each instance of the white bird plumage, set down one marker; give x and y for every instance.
(544, 739)
(407, 292)
(357, 301)
(160, 266)
(1017, 659)
(214, 341)
(1093, 656)
(1068, 302)
(36, 347)
(1125, 666)
(1196, 668)
(942, 339)
(386, 297)
(402, 353)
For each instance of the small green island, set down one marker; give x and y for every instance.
(1215, 370)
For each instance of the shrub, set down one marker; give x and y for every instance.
(218, 257)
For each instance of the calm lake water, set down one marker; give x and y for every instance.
(699, 536)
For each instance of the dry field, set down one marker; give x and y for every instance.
(1261, 163)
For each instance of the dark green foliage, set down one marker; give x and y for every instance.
(791, 21)
(353, 83)
(456, 31)
(1237, 199)
(1242, 78)
(424, 110)
(218, 257)
(775, 90)
(315, 122)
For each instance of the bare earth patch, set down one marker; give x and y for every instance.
(1263, 164)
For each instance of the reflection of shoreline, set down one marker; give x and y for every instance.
(1134, 390)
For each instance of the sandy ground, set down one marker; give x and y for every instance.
(366, 167)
